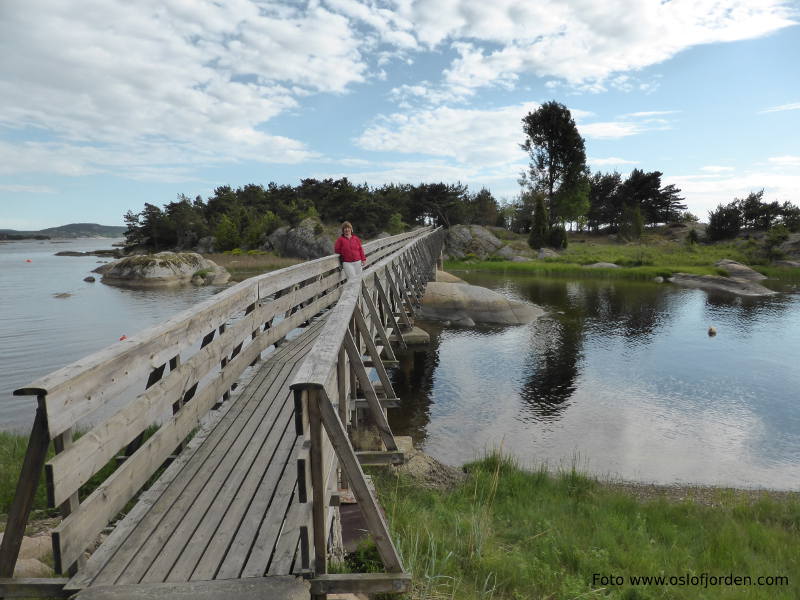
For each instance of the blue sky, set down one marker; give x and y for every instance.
(105, 108)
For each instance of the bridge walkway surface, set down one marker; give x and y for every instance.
(222, 444)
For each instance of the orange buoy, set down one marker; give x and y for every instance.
(123, 338)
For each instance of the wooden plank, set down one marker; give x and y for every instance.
(372, 457)
(374, 353)
(380, 329)
(267, 532)
(238, 532)
(78, 389)
(25, 587)
(319, 502)
(361, 583)
(372, 398)
(385, 402)
(355, 476)
(257, 588)
(316, 367)
(224, 500)
(22, 503)
(389, 310)
(121, 532)
(80, 528)
(157, 557)
(288, 541)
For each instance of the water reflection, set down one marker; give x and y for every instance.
(624, 376)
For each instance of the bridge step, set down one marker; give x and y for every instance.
(254, 588)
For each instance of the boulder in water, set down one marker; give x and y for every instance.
(164, 269)
(461, 303)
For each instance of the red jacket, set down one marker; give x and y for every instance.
(349, 249)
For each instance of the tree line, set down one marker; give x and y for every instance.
(244, 217)
(558, 191)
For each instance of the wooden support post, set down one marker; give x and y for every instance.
(344, 400)
(369, 506)
(29, 476)
(60, 443)
(379, 328)
(389, 310)
(373, 353)
(369, 392)
(318, 484)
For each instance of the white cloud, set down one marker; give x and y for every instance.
(611, 160)
(783, 107)
(785, 161)
(583, 43)
(704, 192)
(716, 169)
(186, 79)
(469, 136)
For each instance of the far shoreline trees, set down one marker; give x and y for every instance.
(558, 191)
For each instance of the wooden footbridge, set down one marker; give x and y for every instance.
(220, 468)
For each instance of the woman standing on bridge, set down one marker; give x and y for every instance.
(349, 248)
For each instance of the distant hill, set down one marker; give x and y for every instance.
(73, 230)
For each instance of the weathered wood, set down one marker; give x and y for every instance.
(355, 476)
(378, 457)
(379, 326)
(28, 481)
(24, 587)
(256, 588)
(385, 402)
(365, 583)
(287, 545)
(69, 470)
(319, 503)
(390, 312)
(372, 398)
(374, 353)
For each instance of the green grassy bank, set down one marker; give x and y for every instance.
(506, 533)
(636, 261)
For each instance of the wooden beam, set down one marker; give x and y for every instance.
(355, 476)
(372, 397)
(379, 457)
(34, 588)
(389, 310)
(380, 329)
(28, 481)
(385, 403)
(365, 583)
(318, 483)
(377, 364)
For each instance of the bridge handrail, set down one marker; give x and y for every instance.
(294, 294)
(334, 368)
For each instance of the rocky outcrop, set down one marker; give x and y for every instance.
(739, 271)
(465, 304)
(602, 265)
(446, 277)
(547, 253)
(793, 264)
(462, 240)
(739, 286)
(164, 269)
(791, 247)
(307, 240)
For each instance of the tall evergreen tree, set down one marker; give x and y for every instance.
(558, 157)
(539, 229)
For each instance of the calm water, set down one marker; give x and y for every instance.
(623, 379)
(40, 333)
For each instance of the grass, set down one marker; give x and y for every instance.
(655, 257)
(12, 453)
(507, 533)
(245, 264)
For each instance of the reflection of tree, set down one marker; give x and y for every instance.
(553, 367)
(413, 382)
(745, 312)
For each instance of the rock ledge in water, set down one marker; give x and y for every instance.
(742, 287)
(163, 270)
(467, 304)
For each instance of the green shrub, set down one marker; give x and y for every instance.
(557, 238)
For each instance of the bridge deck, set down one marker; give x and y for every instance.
(226, 508)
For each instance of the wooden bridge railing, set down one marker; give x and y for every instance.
(170, 376)
(332, 379)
